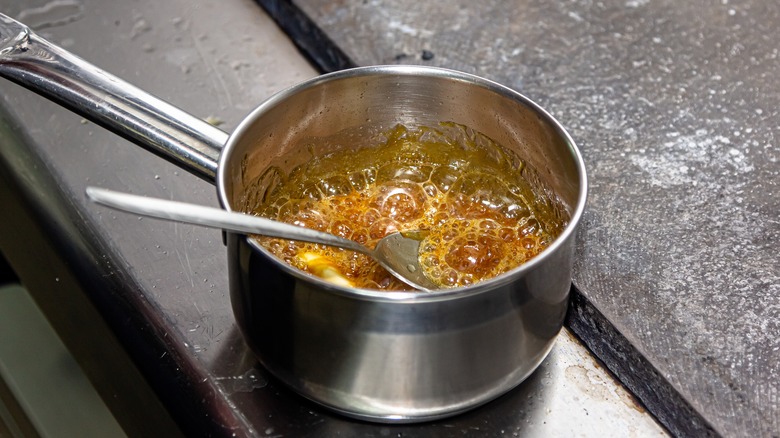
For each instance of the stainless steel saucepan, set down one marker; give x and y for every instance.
(395, 357)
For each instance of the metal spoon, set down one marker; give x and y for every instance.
(395, 252)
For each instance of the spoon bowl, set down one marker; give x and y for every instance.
(398, 252)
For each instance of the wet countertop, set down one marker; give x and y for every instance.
(675, 106)
(142, 304)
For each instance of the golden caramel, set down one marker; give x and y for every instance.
(481, 217)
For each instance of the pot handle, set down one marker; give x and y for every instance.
(53, 72)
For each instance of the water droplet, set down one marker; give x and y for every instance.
(140, 27)
(55, 13)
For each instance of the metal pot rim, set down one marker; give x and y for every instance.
(409, 70)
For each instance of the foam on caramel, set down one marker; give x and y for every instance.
(481, 215)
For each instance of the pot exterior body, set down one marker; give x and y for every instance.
(379, 356)
(405, 360)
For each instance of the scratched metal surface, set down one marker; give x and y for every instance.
(218, 59)
(675, 108)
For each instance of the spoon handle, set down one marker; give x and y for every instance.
(216, 218)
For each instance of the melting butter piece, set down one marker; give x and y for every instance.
(324, 268)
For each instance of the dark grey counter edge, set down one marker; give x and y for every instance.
(90, 316)
(313, 43)
(630, 367)
(633, 370)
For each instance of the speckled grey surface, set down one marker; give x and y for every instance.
(163, 287)
(675, 108)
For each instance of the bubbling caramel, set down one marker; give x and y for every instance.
(481, 217)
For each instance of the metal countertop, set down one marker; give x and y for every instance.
(144, 304)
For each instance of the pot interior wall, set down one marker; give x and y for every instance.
(352, 111)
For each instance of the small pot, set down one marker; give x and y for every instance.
(394, 357)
